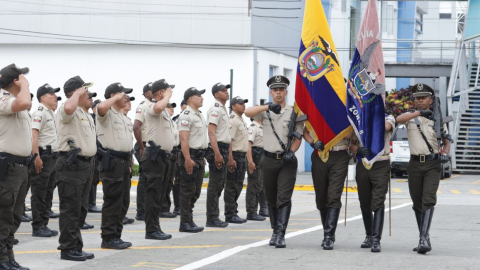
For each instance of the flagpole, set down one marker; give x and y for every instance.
(390, 204)
(346, 196)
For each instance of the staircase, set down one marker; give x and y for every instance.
(467, 151)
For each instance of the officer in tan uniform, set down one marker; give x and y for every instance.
(237, 165)
(15, 157)
(219, 135)
(140, 132)
(115, 158)
(52, 186)
(77, 145)
(255, 194)
(162, 137)
(372, 183)
(424, 165)
(45, 144)
(279, 174)
(193, 136)
(126, 220)
(92, 197)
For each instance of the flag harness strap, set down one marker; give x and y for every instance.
(430, 148)
(274, 132)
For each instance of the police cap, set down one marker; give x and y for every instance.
(219, 86)
(74, 83)
(422, 90)
(278, 81)
(192, 91)
(10, 73)
(46, 89)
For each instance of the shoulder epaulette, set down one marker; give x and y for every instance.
(232, 116)
(199, 111)
(40, 108)
(217, 105)
(186, 112)
(252, 124)
(142, 102)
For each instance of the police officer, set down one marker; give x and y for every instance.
(237, 161)
(425, 161)
(219, 135)
(372, 184)
(15, 157)
(45, 144)
(115, 136)
(193, 136)
(126, 220)
(92, 197)
(140, 132)
(279, 175)
(156, 159)
(77, 145)
(167, 202)
(176, 152)
(255, 177)
(53, 185)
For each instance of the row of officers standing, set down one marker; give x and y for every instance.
(71, 144)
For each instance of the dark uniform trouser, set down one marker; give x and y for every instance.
(142, 180)
(216, 184)
(92, 196)
(156, 173)
(254, 187)
(116, 184)
(190, 188)
(13, 190)
(278, 180)
(52, 185)
(329, 178)
(423, 181)
(40, 183)
(73, 187)
(234, 184)
(167, 202)
(373, 184)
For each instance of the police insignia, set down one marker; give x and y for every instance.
(142, 102)
(186, 112)
(40, 108)
(250, 132)
(184, 123)
(37, 118)
(139, 110)
(214, 114)
(232, 116)
(217, 105)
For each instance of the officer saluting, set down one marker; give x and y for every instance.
(78, 146)
(193, 136)
(424, 165)
(278, 167)
(156, 160)
(114, 133)
(15, 157)
(45, 144)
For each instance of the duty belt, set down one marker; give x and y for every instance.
(277, 155)
(45, 154)
(161, 153)
(17, 159)
(118, 154)
(83, 158)
(224, 146)
(197, 153)
(338, 148)
(424, 158)
(239, 154)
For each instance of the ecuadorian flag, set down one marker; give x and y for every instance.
(320, 90)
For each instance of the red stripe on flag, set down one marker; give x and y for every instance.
(304, 100)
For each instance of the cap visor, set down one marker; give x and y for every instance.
(132, 98)
(59, 98)
(24, 70)
(55, 90)
(277, 85)
(88, 84)
(90, 95)
(424, 94)
(245, 101)
(128, 90)
(201, 92)
(228, 86)
(172, 85)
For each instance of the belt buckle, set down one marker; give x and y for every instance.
(278, 157)
(422, 158)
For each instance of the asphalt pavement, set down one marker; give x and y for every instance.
(455, 237)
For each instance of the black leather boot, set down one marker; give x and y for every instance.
(273, 223)
(377, 229)
(323, 216)
(424, 242)
(263, 205)
(368, 224)
(282, 223)
(330, 228)
(418, 217)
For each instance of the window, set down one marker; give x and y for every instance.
(419, 23)
(445, 11)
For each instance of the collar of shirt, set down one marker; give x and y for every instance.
(192, 110)
(219, 103)
(257, 124)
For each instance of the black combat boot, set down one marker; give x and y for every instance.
(330, 227)
(176, 199)
(323, 216)
(282, 223)
(72, 255)
(263, 205)
(273, 223)
(377, 229)
(52, 214)
(368, 223)
(424, 245)
(418, 217)
(157, 235)
(255, 217)
(188, 227)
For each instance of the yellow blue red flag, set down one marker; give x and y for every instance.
(320, 90)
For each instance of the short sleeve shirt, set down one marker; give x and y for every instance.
(161, 128)
(416, 143)
(217, 115)
(388, 134)
(15, 129)
(239, 133)
(280, 122)
(78, 127)
(140, 116)
(115, 131)
(194, 122)
(255, 134)
(43, 120)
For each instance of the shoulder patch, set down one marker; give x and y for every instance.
(232, 116)
(184, 123)
(139, 110)
(142, 102)
(37, 118)
(186, 112)
(250, 132)
(40, 108)
(214, 114)
(217, 105)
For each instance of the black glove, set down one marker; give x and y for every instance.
(444, 158)
(426, 113)
(364, 151)
(275, 108)
(318, 145)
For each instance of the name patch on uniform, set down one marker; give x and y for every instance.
(139, 110)
(37, 118)
(48, 120)
(184, 123)
(84, 119)
(214, 114)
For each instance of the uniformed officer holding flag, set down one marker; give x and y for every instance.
(115, 134)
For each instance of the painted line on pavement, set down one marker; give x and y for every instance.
(476, 192)
(477, 182)
(455, 191)
(230, 252)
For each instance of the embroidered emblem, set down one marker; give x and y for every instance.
(37, 118)
(139, 110)
(184, 123)
(214, 114)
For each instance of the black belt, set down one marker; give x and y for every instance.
(65, 153)
(224, 146)
(277, 155)
(161, 153)
(45, 154)
(424, 158)
(197, 153)
(17, 159)
(239, 154)
(118, 154)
